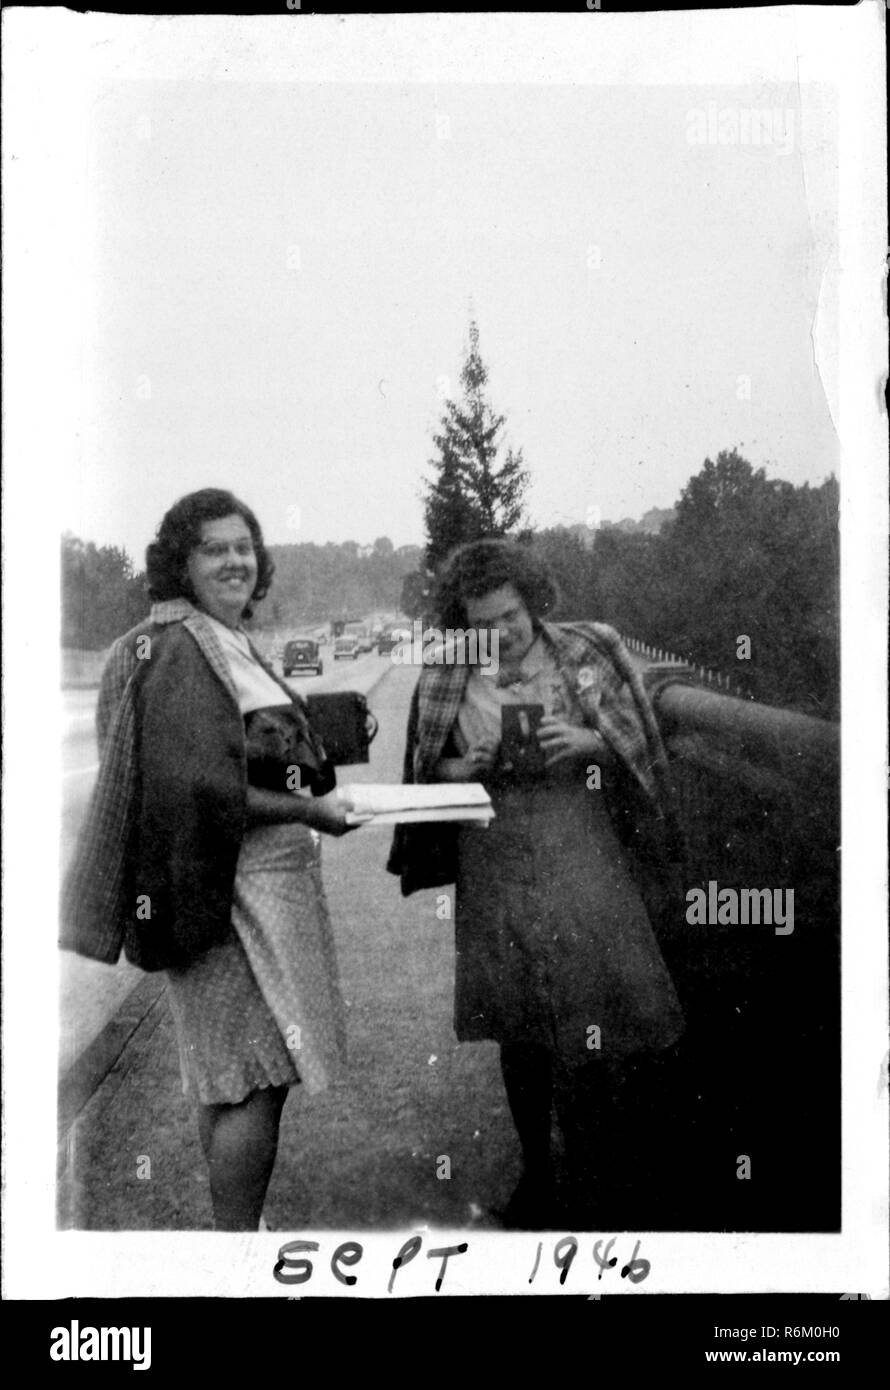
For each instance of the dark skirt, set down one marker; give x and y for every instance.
(554, 945)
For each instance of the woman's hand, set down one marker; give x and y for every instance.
(560, 740)
(475, 762)
(328, 813)
(324, 813)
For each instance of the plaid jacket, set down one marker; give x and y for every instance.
(609, 690)
(168, 810)
(612, 696)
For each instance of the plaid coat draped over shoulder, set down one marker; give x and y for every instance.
(639, 789)
(155, 863)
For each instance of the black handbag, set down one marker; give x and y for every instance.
(345, 725)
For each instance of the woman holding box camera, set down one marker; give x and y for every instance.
(557, 960)
(199, 854)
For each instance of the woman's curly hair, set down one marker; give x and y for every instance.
(166, 559)
(479, 568)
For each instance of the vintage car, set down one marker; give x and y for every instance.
(393, 635)
(301, 654)
(362, 636)
(345, 648)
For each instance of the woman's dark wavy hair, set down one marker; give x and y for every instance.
(480, 567)
(180, 532)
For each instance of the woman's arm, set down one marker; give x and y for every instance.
(475, 762)
(324, 813)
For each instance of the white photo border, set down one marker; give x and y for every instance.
(54, 58)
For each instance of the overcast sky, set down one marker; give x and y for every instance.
(280, 280)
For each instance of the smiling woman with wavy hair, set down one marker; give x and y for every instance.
(166, 559)
(197, 854)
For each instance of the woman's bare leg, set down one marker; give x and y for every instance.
(240, 1143)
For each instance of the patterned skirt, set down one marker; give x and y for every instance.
(264, 1008)
(554, 945)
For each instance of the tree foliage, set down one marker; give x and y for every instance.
(316, 583)
(744, 556)
(751, 556)
(102, 594)
(416, 589)
(472, 494)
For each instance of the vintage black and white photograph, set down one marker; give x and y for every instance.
(450, 590)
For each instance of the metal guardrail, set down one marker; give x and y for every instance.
(660, 656)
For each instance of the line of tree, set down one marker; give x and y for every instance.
(744, 556)
(315, 583)
(740, 555)
(103, 594)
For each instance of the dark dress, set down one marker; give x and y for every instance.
(553, 939)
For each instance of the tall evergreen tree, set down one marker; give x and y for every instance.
(471, 495)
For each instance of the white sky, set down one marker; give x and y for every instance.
(623, 280)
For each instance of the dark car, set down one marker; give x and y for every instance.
(301, 654)
(391, 636)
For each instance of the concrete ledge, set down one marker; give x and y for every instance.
(84, 1077)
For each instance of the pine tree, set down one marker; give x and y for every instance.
(472, 495)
